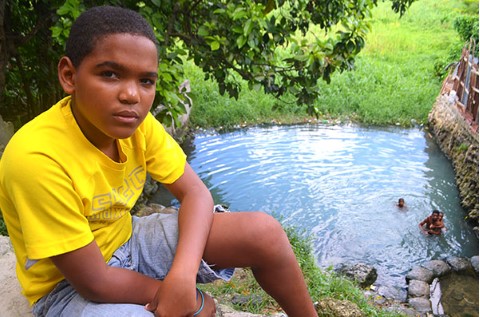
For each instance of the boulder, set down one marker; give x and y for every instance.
(363, 274)
(459, 264)
(329, 307)
(393, 293)
(421, 274)
(420, 304)
(418, 288)
(12, 302)
(439, 268)
(474, 262)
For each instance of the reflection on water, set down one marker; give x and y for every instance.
(340, 184)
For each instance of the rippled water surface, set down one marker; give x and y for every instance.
(340, 184)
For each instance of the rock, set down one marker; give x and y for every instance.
(436, 297)
(401, 309)
(12, 302)
(6, 132)
(5, 246)
(418, 288)
(330, 307)
(459, 264)
(439, 268)
(421, 274)
(243, 300)
(393, 293)
(420, 304)
(474, 262)
(363, 274)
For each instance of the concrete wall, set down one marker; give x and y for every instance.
(459, 142)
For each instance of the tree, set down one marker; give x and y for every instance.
(280, 46)
(28, 59)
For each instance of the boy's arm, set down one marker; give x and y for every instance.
(86, 270)
(195, 218)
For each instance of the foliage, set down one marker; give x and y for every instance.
(263, 42)
(29, 71)
(467, 27)
(394, 82)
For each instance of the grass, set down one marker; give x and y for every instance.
(210, 109)
(395, 82)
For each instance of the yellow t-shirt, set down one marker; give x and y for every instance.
(58, 192)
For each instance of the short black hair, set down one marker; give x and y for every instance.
(435, 212)
(101, 21)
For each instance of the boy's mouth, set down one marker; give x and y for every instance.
(126, 116)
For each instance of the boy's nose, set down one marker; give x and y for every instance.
(129, 93)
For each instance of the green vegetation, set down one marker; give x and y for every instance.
(396, 80)
(226, 39)
(3, 227)
(321, 284)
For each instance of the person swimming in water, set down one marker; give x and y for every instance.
(432, 225)
(401, 205)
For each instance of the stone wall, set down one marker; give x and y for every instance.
(459, 142)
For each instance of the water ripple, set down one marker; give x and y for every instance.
(340, 184)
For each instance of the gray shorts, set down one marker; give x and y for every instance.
(149, 251)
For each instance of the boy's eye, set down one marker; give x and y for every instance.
(147, 81)
(109, 74)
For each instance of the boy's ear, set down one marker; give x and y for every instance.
(66, 75)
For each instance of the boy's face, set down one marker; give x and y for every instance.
(113, 88)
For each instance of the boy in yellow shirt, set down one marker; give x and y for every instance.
(69, 178)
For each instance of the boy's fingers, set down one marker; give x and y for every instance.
(150, 307)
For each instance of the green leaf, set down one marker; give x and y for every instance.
(214, 45)
(241, 40)
(158, 3)
(56, 31)
(203, 31)
(247, 29)
(239, 13)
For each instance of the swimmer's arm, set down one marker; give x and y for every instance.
(421, 224)
(92, 278)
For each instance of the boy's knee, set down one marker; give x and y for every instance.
(269, 233)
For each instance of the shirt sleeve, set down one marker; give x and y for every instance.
(50, 213)
(165, 158)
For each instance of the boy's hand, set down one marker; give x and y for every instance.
(179, 297)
